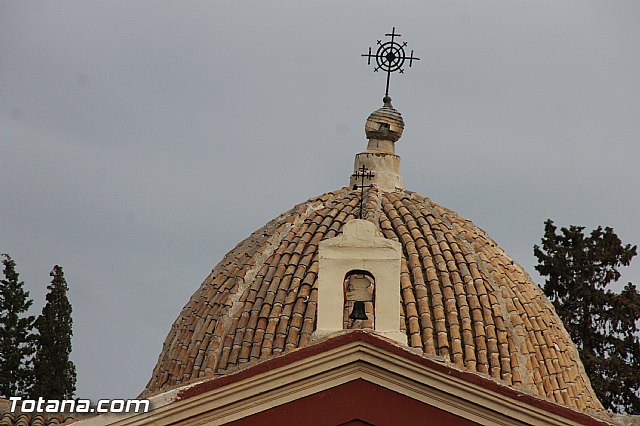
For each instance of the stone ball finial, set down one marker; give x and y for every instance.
(385, 123)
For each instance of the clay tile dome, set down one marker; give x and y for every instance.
(463, 300)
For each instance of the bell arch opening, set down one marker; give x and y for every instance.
(359, 300)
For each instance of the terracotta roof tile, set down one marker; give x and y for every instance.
(19, 418)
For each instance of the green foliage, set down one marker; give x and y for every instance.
(16, 339)
(602, 324)
(55, 373)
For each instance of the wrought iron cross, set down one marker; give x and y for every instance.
(362, 173)
(390, 56)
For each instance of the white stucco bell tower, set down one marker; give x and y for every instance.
(360, 248)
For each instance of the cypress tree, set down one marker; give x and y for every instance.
(16, 338)
(55, 373)
(602, 324)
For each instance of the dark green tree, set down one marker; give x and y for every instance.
(602, 324)
(55, 373)
(16, 338)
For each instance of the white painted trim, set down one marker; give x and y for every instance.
(355, 360)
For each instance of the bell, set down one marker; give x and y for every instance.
(358, 311)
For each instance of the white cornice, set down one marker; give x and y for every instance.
(333, 367)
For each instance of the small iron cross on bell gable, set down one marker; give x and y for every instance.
(362, 173)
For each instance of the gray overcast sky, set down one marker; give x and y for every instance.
(140, 141)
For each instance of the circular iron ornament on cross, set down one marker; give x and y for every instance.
(390, 56)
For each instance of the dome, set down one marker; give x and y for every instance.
(463, 300)
(419, 275)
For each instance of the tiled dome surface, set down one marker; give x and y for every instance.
(463, 299)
